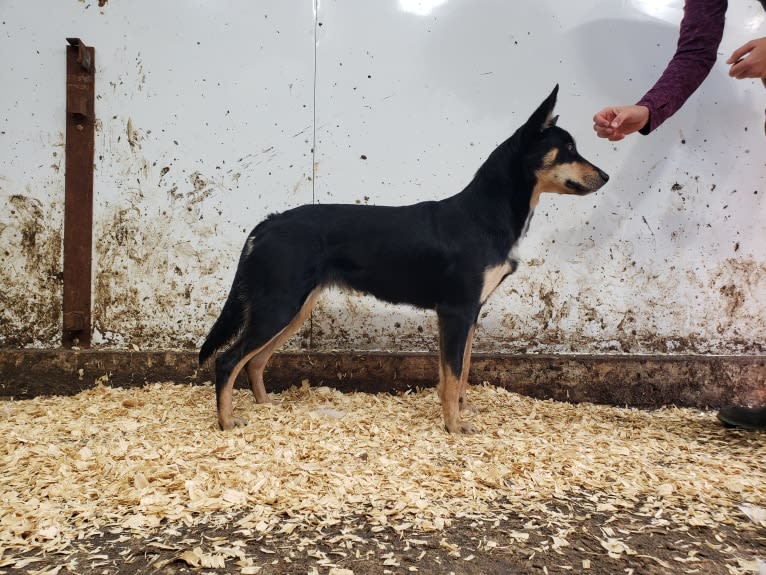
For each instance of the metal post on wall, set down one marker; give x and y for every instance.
(78, 193)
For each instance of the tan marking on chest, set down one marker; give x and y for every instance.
(492, 278)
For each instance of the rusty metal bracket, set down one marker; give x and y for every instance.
(78, 193)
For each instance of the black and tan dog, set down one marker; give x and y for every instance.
(447, 255)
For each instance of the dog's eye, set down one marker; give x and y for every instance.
(570, 147)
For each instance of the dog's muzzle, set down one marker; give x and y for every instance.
(590, 184)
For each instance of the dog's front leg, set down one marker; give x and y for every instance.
(464, 406)
(455, 328)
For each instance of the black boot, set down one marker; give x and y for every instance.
(744, 417)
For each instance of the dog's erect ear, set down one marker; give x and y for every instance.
(543, 117)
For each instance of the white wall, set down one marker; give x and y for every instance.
(239, 109)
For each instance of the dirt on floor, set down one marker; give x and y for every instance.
(589, 543)
(117, 481)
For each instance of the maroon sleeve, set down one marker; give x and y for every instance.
(700, 35)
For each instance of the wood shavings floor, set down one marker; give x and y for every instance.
(135, 460)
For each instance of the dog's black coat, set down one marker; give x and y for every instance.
(434, 254)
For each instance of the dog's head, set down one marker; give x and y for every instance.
(553, 158)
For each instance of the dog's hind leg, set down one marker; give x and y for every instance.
(455, 327)
(257, 364)
(255, 375)
(227, 366)
(251, 347)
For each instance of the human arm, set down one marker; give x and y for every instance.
(616, 122)
(699, 37)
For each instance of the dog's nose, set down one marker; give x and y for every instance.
(604, 175)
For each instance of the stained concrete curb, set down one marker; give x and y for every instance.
(638, 381)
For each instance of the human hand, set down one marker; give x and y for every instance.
(749, 60)
(616, 122)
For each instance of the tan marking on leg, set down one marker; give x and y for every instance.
(449, 394)
(226, 417)
(255, 375)
(464, 406)
(257, 365)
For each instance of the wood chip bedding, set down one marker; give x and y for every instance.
(130, 460)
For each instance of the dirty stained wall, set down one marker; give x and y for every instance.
(239, 109)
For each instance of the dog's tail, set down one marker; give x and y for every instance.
(233, 318)
(225, 327)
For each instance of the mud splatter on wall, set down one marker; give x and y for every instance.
(30, 272)
(165, 251)
(251, 108)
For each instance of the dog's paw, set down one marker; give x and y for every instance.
(232, 422)
(468, 428)
(469, 408)
(464, 427)
(261, 398)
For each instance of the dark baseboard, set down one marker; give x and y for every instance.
(638, 381)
